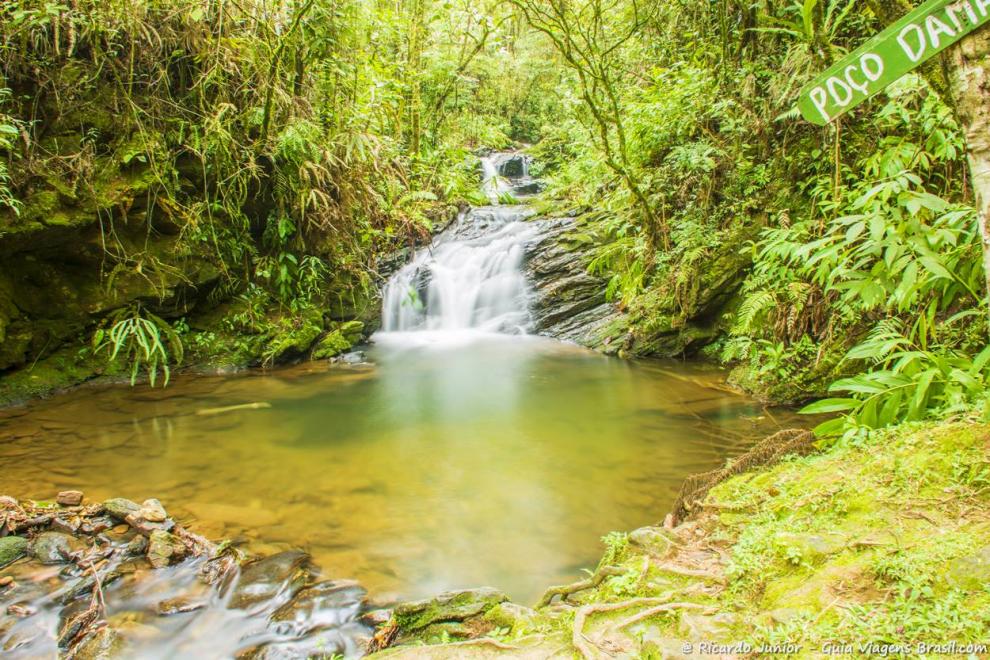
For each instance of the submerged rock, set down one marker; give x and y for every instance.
(53, 547)
(448, 606)
(264, 579)
(165, 549)
(104, 644)
(12, 548)
(327, 604)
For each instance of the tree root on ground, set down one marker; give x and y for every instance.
(589, 649)
(565, 590)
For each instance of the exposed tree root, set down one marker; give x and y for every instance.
(565, 590)
(588, 648)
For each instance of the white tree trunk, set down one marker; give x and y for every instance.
(970, 81)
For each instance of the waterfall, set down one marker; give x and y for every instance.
(471, 277)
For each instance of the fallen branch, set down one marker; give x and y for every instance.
(565, 590)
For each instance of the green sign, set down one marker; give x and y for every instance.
(905, 45)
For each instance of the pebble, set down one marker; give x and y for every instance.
(153, 511)
(6, 580)
(69, 497)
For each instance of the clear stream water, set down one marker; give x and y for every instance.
(463, 456)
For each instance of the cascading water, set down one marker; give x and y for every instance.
(471, 277)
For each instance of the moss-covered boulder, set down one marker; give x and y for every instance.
(12, 548)
(448, 607)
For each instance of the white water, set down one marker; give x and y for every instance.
(470, 278)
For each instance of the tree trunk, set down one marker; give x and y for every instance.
(970, 83)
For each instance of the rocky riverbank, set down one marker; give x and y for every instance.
(120, 579)
(848, 549)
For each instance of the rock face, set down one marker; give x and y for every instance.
(570, 304)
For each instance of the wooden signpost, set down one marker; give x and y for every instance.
(905, 45)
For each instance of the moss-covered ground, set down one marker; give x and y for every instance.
(867, 547)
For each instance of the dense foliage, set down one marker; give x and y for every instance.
(852, 251)
(288, 144)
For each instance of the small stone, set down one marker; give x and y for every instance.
(53, 547)
(12, 548)
(69, 498)
(6, 580)
(153, 511)
(165, 549)
(7, 502)
(120, 508)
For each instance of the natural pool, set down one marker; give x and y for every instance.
(456, 460)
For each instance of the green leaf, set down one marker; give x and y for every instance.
(830, 406)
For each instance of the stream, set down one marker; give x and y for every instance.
(464, 452)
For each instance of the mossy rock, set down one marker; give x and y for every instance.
(449, 606)
(12, 548)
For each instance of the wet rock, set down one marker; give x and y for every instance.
(153, 511)
(120, 508)
(375, 618)
(137, 545)
(972, 572)
(448, 606)
(323, 605)
(86, 584)
(147, 527)
(654, 541)
(104, 644)
(262, 580)
(12, 548)
(512, 165)
(178, 606)
(73, 620)
(53, 547)
(349, 641)
(69, 497)
(569, 303)
(96, 525)
(165, 549)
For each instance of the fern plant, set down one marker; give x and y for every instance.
(142, 340)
